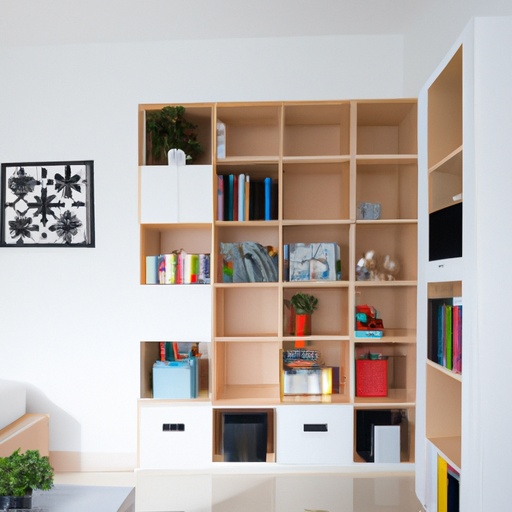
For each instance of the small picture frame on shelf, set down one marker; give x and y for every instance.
(47, 204)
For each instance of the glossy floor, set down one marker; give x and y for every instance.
(282, 492)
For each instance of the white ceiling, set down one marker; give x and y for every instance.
(50, 22)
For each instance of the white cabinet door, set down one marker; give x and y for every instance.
(315, 434)
(174, 436)
(170, 195)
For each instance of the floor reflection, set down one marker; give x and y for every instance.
(329, 492)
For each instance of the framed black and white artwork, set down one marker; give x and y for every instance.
(48, 204)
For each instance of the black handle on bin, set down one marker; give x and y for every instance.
(315, 427)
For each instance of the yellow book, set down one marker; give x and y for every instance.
(442, 485)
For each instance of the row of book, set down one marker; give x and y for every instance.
(445, 332)
(240, 198)
(448, 487)
(178, 267)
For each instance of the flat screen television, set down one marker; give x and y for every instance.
(445, 233)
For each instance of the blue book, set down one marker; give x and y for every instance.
(268, 195)
(440, 334)
(231, 196)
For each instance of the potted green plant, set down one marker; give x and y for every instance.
(304, 306)
(22, 473)
(168, 129)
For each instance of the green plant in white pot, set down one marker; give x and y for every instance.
(168, 129)
(22, 473)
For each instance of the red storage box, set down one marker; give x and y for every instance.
(372, 377)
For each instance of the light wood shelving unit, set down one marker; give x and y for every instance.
(326, 157)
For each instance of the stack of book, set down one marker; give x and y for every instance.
(239, 198)
(178, 268)
(445, 332)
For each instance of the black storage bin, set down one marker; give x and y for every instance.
(366, 419)
(245, 437)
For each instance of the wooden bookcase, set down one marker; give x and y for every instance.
(326, 157)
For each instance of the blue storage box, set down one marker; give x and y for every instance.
(176, 379)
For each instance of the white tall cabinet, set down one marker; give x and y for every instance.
(467, 419)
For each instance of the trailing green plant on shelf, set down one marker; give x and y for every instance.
(303, 303)
(22, 473)
(168, 129)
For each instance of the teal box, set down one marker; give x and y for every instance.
(175, 379)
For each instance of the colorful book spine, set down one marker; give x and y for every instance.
(220, 197)
(449, 338)
(442, 485)
(235, 197)
(152, 270)
(230, 196)
(268, 198)
(241, 197)
(247, 197)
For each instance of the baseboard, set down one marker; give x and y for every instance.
(72, 462)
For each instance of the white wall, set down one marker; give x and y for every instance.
(437, 26)
(72, 319)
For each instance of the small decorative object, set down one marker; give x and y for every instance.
(314, 262)
(168, 129)
(304, 306)
(368, 323)
(368, 211)
(305, 374)
(48, 204)
(248, 262)
(370, 268)
(391, 268)
(20, 474)
(176, 157)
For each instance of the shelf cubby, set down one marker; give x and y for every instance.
(246, 310)
(401, 368)
(316, 191)
(396, 239)
(246, 371)
(150, 353)
(445, 182)
(332, 353)
(392, 185)
(158, 239)
(365, 430)
(396, 304)
(309, 233)
(331, 316)
(252, 132)
(246, 449)
(443, 411)
(445, 112)
(387, 128)
(316, 129)
(199, 114)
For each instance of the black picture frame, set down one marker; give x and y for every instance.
(47, 204)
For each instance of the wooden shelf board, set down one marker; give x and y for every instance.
(316, 284)
(380, 284)
(273, 284)
(264, 338)
(386, 159)
(246, 223)
(450, 448)
(386, 221)
(248, 395)
(324, 159)
(396, 397)
(335, 398)
(331, 337)
(322, 222)
(245, 160)
(407, 336)
(445, 371)
(453, 155)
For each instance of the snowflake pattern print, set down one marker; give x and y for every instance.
(48, 203)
